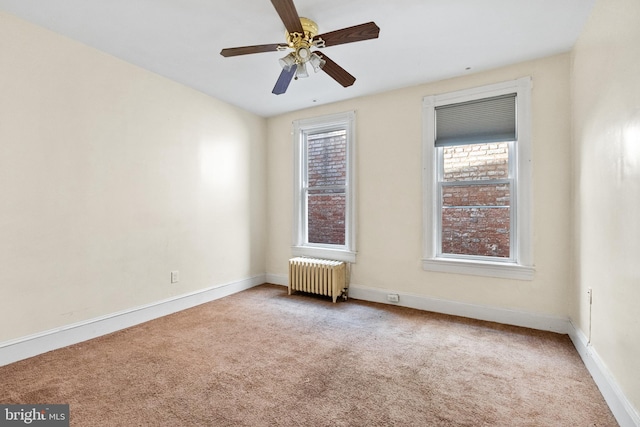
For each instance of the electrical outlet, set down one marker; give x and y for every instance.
(393, 297)
(175, 276)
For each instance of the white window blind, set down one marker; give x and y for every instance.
(479, 121)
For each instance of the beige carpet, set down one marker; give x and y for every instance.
(263, 358)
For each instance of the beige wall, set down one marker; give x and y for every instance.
(606, 151)
(389, 192)
(111, 177)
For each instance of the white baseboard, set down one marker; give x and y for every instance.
(278, 279)
(32, 345)
(620, 406)
(473, 311)
(455, 308)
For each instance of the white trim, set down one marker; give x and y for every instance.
(455, 308)
(324, 253)
(278, 279)
(524, 203)
(32, 345)
(620, 406)
(523, 270)
(489, 269)
(473, 311)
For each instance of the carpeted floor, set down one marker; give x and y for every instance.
(263, 358)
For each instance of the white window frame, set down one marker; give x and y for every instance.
(301, 129)
(520, 264)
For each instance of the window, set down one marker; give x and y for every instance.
(477, 180)
(324, 196)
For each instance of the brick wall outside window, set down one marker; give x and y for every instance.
(326, 204)
(476, 216)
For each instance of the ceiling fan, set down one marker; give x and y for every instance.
(302, 35)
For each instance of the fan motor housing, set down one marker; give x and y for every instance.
(310, 29)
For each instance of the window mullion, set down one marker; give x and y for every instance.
(439, 152)
(328, 188)
(513, 192)
(476, 182)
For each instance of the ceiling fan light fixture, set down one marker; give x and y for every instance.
(303, 53)
(288, 61)
(317, 62)
(301, 71)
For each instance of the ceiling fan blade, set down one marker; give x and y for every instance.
(336, 72)
(356, 33)
(289, 16)
(283, 81)
(246, 50)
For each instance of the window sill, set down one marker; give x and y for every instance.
(324, 253)
(479, 268)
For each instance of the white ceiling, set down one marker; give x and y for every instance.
(420, 40)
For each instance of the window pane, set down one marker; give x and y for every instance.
(326, 218)
(476, 220)
(474, 162)
(327, 159)
(476, 195)
(476, 231)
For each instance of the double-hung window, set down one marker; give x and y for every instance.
(324, 207)
(477, 180)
